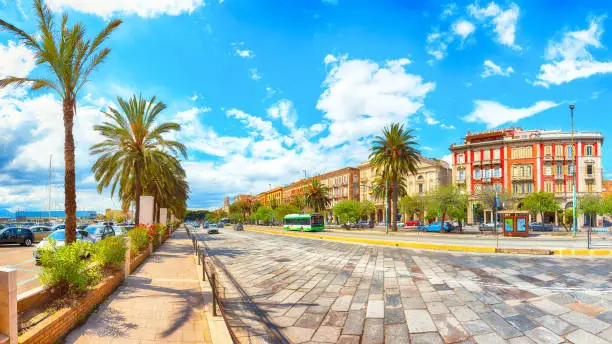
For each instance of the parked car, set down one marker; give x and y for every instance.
(206, 225)
(541, 227)
(365, 224)
(28, 224)
(120, 230)
(98, 232)
(213, 229)
(382, 224)
(238, 227)
(81, 227)
(17, 235)
(484, 227)
(400, 224)
(435, 227)
(41, 232)
(58, 227)
(220, 225)
(59, 237)
(413, 223)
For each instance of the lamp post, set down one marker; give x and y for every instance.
(574, 200)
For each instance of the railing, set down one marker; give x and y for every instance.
(589, 177)
(559, 157)
(522, 177)
(548, 157)
(559, 176)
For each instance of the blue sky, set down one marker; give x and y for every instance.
(267, 89)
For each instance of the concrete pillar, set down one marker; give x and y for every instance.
(128, 258)
(163, 216)
(556, 218)
(470, 214)
(539, 218)
(150, 247)
(8, 304)
(146, 210)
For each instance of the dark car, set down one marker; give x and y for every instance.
(541, 227)
(17, 235)
(364, 224)
(97, 232)
(238, 227)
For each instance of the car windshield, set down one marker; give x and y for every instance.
(118, 229)
(213, 226)
(58, 235)
(94, 230)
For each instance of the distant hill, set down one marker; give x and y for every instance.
(6, 213)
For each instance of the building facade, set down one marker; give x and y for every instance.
(242, 198)
(606, 190)
(519, 162)
(431, 173)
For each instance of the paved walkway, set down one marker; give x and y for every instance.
(316, 291)
(160, 303)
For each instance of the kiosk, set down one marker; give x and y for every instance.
(515, 223)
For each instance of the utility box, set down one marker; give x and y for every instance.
(516, 225)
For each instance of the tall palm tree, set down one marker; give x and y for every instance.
(134, 147)
(71, 58)
(317, 196)
(395, 154)
(379, 189)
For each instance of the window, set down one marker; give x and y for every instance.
(588, 151)
(421, 188)
(497, 173)
(461, 175)
(515, 188)
(487, 173)
(460, 159)
(529, 188)
(498, 187)
(559, 150)
(589, 169)
(569, 151)
(559, 170)
(477, 188)
(547, 170)
(477, 174)
(486, 155)
(355, 178)
(548, 186)
(559, 187)
(590, 187)
(496, 154)
(547, 150)
(570, 185)
(521, 152)
(477, 156)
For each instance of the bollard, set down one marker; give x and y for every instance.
(127, 264)
(203, 268)
(199, 257)
(213, 281)
(8, 304)
(150, 247)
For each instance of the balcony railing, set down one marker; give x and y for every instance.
(496, 161)
(559, 157)
(559, 176)
(589, 177)
(520, 178)
(460, 180)
(548, 157)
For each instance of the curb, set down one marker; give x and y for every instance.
(444, 247)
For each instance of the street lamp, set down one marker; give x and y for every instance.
(575, 166)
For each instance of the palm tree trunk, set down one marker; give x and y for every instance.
(158, 213)
(70, 205)
(137, 192)
(394, 204)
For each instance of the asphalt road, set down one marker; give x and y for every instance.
(321, 291)
(20, 258)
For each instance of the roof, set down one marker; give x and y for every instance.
(296, 216)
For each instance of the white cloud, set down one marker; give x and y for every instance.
(194, 97)
(448, 10)
(463, 28)
(16, 60)
(447, 127)
(254, 74)
(503, 21)
(429, 119)
(259, 126)
(142, 8)
(284, 110)
(360, 98)
(494, 114)
(449, 159)
(246, 53)
(427, 148)
(491, 69)
(570, 59)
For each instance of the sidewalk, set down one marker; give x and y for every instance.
(160, 302)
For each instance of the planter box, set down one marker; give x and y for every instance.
(60, 323)
(136, 261)
(32, 299)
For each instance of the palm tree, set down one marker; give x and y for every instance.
(317, 196)
(379, 185)
(394, 155)
(71, 58)
(134, 147)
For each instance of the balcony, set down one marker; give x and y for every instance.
(496, 161)
(559, 176)
(569, 158)
(548, 157)
(559, 158)
(460, 181)
(522, 178)
(486, 161)
(589, 177)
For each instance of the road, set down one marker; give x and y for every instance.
(540, 241)
(20, 258)
(311, 290)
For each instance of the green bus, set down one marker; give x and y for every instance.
(303, 222)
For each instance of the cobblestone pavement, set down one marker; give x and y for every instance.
(160, 303)
(319, 291)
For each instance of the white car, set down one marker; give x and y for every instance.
(213, 229)
(60, 240)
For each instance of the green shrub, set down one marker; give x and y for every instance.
(158, 229)
(140, 238)
(109, 252)
(67, 267)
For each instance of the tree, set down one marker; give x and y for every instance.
(298, 201)
(347, 210)
(591, 205)
(540, 203)
(448, 200)
(273, 203)
(486, 197)
(285, 209)
(366, 208)
(134, 147)
(264, 214)
(394, 155)
(413, 205)
(71, 58)
(317, 196)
